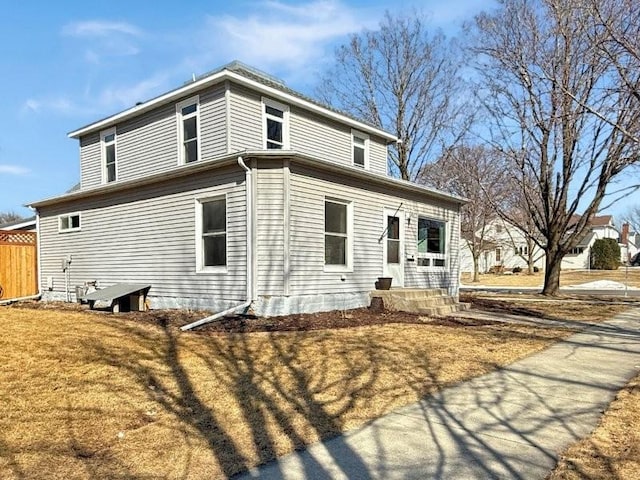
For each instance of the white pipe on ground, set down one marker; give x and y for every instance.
(250, 274)
(21, 299)
(197, 323)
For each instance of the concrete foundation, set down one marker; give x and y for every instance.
(263, 307)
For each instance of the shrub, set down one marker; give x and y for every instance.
(535, 269)
(605, 254)
(516, 269)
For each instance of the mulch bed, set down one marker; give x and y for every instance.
(174, 319)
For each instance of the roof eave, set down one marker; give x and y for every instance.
(220, 77)
(231, 158)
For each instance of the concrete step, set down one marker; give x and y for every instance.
(411, 305)
(444, 310)
(433, 302)
(410, 292)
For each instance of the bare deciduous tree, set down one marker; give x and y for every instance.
(476, 173)
(559, 110)
(402, 78)
(632, 217)
(6, 217)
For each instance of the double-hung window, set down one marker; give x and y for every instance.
(188, 113)
(337, 234)
(69, 222)
(360, 149)
(211, 234)
(275, 125)
(431, 242)
(108, 154)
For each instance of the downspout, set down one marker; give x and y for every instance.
(38, 295)
(249, 268)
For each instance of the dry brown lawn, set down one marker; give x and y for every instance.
(100, 396)
(613, 449)
(578, 309)
(569, 277)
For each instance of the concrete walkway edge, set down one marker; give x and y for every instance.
(510, 423)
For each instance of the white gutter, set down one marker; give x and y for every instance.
(248, 184)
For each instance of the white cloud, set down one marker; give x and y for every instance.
(124, 96)
(277, 36)
(58, 104)
(13, 169)
(99, 28)
(103, 38)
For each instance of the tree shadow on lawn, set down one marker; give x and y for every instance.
(229, 402)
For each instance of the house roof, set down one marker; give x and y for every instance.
(245, 75)
(229, 159)
(586, 240)
(596, 221)
(19, 224)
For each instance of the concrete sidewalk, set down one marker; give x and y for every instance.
(511, 423)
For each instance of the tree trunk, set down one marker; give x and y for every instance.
(476, 273)
(553, 264)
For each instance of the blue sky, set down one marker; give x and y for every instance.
(69, 63)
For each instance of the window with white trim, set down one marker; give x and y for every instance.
(69, 222)
(211, 233)
(337, 234)
(431, 242)
(108, 154)
(188, 113)
(275, 125)
(360, 149)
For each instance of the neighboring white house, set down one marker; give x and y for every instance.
(508, 248)
(235, 188)
(599, 227)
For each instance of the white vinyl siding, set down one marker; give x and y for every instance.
(270, 228)
(245, 119)
(148, 144)
(147, 235)
(309, 189)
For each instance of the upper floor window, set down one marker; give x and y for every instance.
(69, 222)
(108, 154)
(360, 149)
(211, 229)
(431, 242)
(188, 113)
(275, 125)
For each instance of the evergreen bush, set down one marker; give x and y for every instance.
(605, 254)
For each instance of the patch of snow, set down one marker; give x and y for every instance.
(602, 285)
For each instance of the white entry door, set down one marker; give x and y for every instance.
(393, 248)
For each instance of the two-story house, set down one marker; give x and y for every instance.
(235, 188)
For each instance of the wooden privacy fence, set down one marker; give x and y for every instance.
(18, 264)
